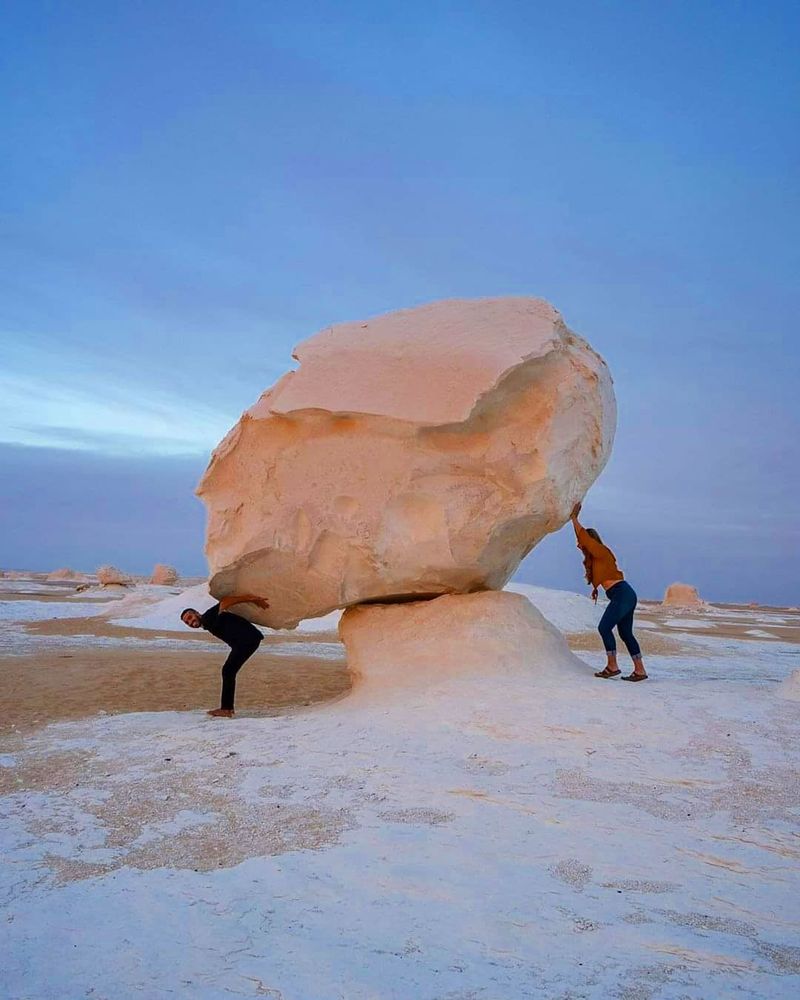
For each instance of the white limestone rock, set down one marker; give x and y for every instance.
(419, 453)
(683, 595)
(165, 576)
(109, 576)
(424, 644)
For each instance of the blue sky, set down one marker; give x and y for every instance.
(187, 190)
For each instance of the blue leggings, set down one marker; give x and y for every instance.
(619, 613)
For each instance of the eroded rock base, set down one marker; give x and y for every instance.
(457, 637)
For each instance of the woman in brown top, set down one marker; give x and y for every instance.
(602, 571)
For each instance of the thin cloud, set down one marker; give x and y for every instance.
(108, 442)
(92, 411)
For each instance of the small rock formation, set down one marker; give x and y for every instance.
(420, 453)
(424, 644)
(64, 574)
(164, 575)
(682, 595)
(111, 576)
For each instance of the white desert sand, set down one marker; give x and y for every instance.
(500, 834)
(790, 688)
(569, 612)
(152, 606)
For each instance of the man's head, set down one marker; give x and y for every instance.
(190, 617)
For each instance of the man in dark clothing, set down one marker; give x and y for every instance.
(242, 636)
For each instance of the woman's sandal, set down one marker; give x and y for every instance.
(605, 672)
(635, 677)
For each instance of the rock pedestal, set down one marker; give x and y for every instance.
(425, 644)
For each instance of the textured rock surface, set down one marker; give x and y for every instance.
(420, 453)
(164, 575)
(682, 595)
(426, 643)
(108, 575)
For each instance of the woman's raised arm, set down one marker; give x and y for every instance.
(585, 540)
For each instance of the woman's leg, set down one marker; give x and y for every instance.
(625, 629)
(606, 630)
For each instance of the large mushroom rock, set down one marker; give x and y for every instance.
(425, 644)
(682, 595)
(420, 453)
(164, 575)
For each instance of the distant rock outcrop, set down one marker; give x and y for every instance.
(164, 575)
(110, 575)
(420, 453)
(64, 574)
(682, 595)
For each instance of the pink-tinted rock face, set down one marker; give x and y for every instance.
(419, 453)
(682, 595)
(108, 575)
(164, 575)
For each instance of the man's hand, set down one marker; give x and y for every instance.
(575, 511)
(260, 602)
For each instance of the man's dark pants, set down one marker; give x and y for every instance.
(238, 656)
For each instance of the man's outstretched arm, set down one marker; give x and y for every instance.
(228, 602)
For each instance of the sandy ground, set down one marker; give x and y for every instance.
(731, 621)
(601, 841)
(62, 682)
(53, 686)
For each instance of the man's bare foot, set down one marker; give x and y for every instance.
(221, 713)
